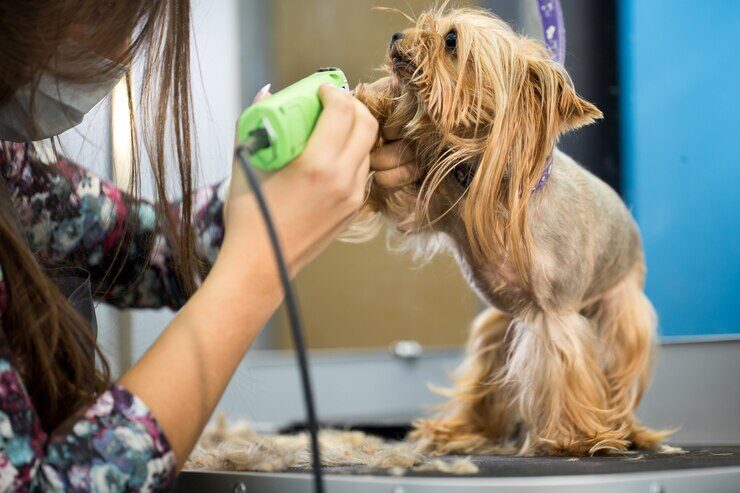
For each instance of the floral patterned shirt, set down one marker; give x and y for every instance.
(75, 218)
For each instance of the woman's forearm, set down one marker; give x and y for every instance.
(183, 375)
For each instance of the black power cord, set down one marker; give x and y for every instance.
(258, 140)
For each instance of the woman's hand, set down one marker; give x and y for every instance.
(313, 197)
(394, 163)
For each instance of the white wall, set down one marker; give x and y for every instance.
(216, 94)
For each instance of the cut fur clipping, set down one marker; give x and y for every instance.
(237, 447)
(666, 449)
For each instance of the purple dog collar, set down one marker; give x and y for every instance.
(553, 30)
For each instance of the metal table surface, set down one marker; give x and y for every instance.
(703, 469)
(696, 389)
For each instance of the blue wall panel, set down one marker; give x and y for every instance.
(680, 79)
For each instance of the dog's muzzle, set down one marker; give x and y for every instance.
(399, 61)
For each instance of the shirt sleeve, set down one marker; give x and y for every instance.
(113, 445)
(73, 217)
(142, 275)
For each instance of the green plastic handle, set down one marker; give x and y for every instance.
(288, 117)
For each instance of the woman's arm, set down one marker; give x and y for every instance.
(117, 444)
(184, 373)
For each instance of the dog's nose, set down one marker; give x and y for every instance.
(395, 38)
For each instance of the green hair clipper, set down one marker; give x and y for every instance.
(283, 122)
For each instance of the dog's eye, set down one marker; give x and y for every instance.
(451, 39)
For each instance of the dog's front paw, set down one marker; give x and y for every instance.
(447, 437)
(643, 438)
(609, 442)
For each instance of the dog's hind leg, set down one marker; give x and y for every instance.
(626, 323)
(480, 416)
(561, 390)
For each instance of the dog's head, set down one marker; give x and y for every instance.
(480, 101)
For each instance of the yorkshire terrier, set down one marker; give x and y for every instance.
(560, 361)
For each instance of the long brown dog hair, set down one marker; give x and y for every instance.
(45, 334)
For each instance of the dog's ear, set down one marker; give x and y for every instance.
(558, 96)
(573, 110)
(551, 89)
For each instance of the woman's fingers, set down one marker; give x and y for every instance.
(263, 93)
(337, 156)
(394, 165)
(396, 177)
(363, 136)
(333, 126)
(392, 155)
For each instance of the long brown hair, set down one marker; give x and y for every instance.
(46, 335)
(496, 104)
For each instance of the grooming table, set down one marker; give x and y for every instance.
(703, 469)
(695, 387)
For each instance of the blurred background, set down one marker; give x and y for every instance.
(664, 72)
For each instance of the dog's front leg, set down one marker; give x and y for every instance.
(627, 327)
(560, 388)
(479, 418)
